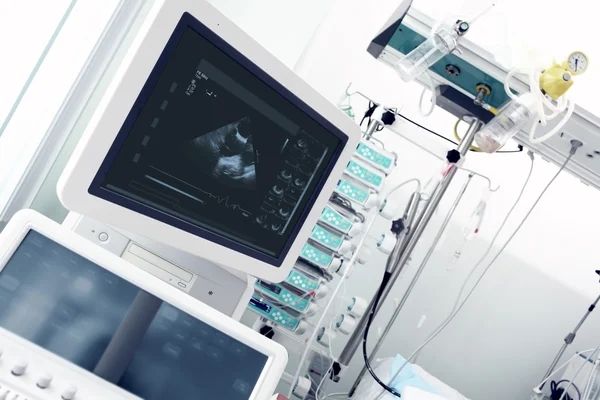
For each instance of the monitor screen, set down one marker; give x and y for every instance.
(214, 145)
(79, 311)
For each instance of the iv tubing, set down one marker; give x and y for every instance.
(541, 103)
(454, 310)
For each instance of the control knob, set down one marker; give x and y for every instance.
(19, 368)
(44, 381)
(69, 393)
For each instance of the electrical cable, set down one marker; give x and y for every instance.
(431, 88)
(577, 373)
(520, 147)
(567, 363)
(556, 391)
(456, 309)
(384, 281)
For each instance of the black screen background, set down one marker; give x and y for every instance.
(159, 167)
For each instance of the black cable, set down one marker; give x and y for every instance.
(385, 280)
(556, 392)
(520, 147)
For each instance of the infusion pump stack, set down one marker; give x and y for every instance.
(205, 166)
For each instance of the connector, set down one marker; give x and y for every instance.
(575, 144)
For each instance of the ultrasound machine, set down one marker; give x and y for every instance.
(205, 166)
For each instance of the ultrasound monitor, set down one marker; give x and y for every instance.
(208, 143)
(73, 300)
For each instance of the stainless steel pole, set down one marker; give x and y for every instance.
(390, 323)
(412, 239)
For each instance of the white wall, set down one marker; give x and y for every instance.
(506, 336)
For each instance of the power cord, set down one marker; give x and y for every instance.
(519, 147)
(557, 392)
(574, 146)
(384, 281)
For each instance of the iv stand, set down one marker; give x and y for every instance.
(569, 339)
(402, 252)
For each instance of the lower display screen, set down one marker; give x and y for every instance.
(81, 312)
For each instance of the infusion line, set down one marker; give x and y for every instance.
(457, 310)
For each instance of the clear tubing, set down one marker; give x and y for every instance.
(540, 104)
(456, 304)
(426, 54)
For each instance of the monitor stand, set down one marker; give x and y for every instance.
(223, 289)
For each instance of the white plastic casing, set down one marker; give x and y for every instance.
(116, 104)
(386, 243)
(358, 307)
(88, 385)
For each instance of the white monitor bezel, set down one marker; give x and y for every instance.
(27, 220)
(115, 106)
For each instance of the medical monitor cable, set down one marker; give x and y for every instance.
(462, 289)
(574, 146)
(386, 277)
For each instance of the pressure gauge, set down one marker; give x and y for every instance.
(577, 63)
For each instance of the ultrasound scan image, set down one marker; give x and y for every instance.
(218, 148)
(226, 154)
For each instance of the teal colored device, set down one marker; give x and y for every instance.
(334, 219)
(326, 238)
(284, 296)
(263, 307)
(352, 191)
(376, 157)
(303, 282)
(365, 174)
(316, 256)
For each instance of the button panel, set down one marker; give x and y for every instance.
(265, 308)
(352, 191)
(28, 372)
(302, 282)
(316, 256)
(326, 238)
(284, 296)
(365, 174)
(335, 220)
(375, 156)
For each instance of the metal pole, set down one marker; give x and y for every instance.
(568, 340)
(390, 323)
(372, 128)
(412, 239)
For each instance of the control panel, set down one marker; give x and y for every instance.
(267, 309)
(28, 372)
(334, 219)
(365, 174)
(317, 256)
(329, 239)
(375, 156)
(352, 191)
(288, 298)
(302, 282)
(299, 162)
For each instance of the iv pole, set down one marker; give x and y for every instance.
(569, 339)
(403, 250)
